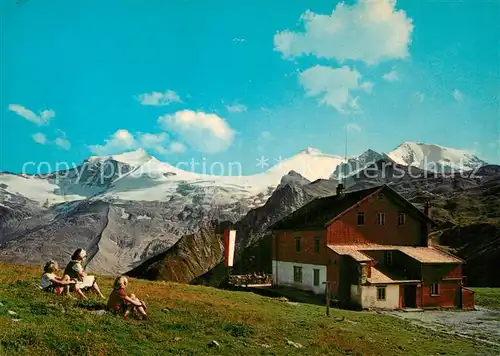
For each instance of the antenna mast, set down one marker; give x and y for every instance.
(345, 158)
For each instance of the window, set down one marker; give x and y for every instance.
(316, 244)
(361, 218)
(434, 289)
(316, 277)
(297, 274)
(297, 244)
(380, 293)
(381, 218)
(381, 196)
(388, 258)
(401, 219)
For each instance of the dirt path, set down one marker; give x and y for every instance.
(481, 325)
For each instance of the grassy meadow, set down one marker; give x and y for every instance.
(186, 319)
(487, 297)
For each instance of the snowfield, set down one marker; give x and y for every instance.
(138, 176)
(152, 180)
(126, 208)
(432, 157)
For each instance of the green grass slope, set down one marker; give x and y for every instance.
(185, 320)
(487, 297)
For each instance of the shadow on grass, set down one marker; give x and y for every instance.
(295, 295)
(91, 305)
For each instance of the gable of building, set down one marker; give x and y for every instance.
(395, 198)
(321, 212)
(378, 219)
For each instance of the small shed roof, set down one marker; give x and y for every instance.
(420, 253)
(429, 255)
(351, 251)
(379, 277)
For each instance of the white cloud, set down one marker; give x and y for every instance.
(239, 40)
(122, 140)
(159, 99)
(367, 86)
(236, 108)
(353, 104)
(369, 31)
(204, 132)
(392, 76)
(61, 133)
(177, 147)
(40, 138)
(151, 140)
(458, 95)
(63, 143)
(333, 86)
(353, 128)
(419, 96)
(42, 118)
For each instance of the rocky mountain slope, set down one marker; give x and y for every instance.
(189, 258)
(457, 201)
(190, 253)
(357, 164)
(479, 245)
(426, 157)
(118, 235)
(127, 208)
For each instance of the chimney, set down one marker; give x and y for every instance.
(427, 212)
(340, 189)
(364, 270)
(427, 209)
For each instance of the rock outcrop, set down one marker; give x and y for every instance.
(190, 257)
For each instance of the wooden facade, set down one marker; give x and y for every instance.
(344, 230)
(373, 250)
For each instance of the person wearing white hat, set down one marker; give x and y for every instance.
(75, 271)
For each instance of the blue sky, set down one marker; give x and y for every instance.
(231, 81)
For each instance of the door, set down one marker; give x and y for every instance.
(409, 296)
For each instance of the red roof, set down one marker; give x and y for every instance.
(420, 253)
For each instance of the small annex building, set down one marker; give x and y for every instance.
(372, 248)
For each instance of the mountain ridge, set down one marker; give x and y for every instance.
(127, 208)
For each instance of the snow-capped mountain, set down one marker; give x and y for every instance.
(126, 208)
(429, 157)
(434, 157)
(357, 163)
(139, 176)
